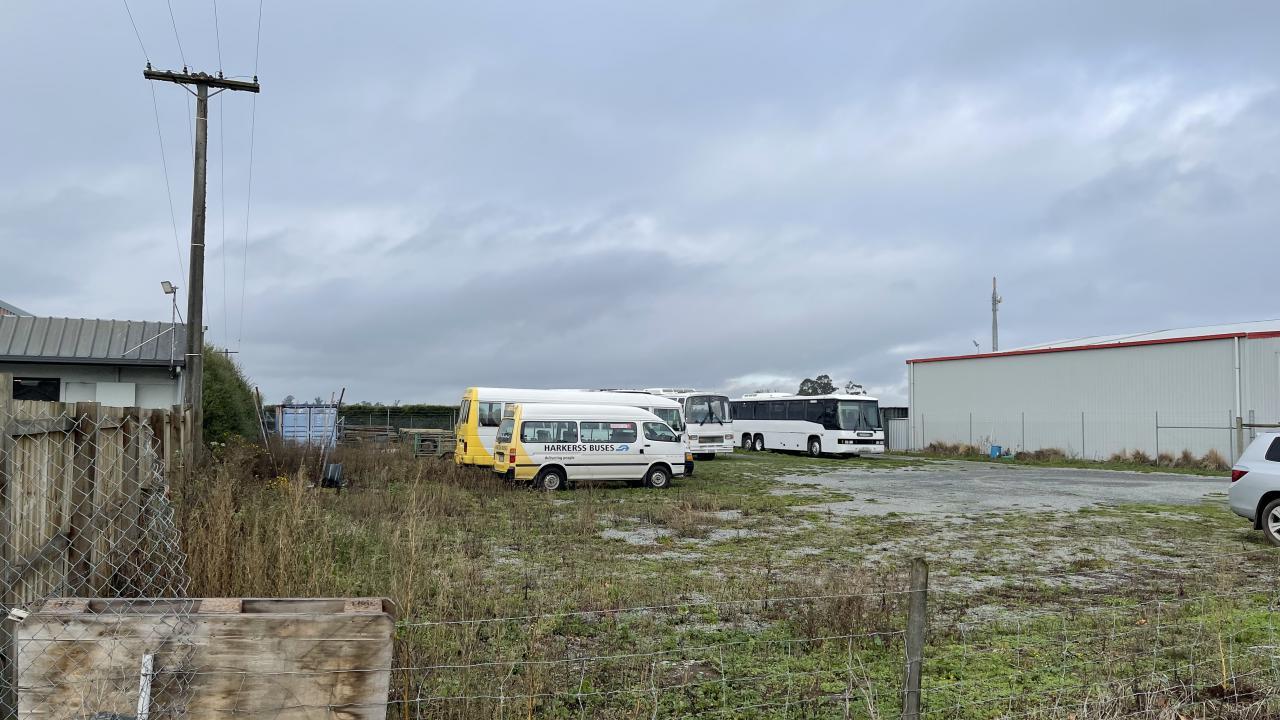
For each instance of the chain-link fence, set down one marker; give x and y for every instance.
(1187, 437)
(84, 513)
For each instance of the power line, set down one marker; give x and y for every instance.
(174, 21)
(164, 162)
(222, 208)
(168, 189)
(248, 201)
(135, 31)
(257, 46)
(217, 34)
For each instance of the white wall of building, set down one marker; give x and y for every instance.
(117, 386)
(1096, 402)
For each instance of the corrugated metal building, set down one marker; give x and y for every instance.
(121, 363)
(1158, 392)
(7, 309)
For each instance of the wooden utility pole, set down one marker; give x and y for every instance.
(195, 284)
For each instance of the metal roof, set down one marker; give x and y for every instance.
(83, 341)
(12, 309)
(1191, 333)
(1251, 329)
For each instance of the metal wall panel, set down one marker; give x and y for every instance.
(897, 433)
(1093, 403)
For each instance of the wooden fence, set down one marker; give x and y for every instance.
(78, 484)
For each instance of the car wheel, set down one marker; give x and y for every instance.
(551, 479)
(1271, 522)
(815, 447)
(658, 477)
(746, 441)
(758, 443)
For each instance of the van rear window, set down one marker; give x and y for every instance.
(607, 432)
(1273, 452)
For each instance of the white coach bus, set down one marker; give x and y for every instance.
(708, 421)
(481, 411)
(818, 425)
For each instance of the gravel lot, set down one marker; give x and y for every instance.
(959, 487)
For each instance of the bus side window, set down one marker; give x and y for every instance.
(777, 411)
(490, 414)
(795, 409)
(828, 416)
(813, 411)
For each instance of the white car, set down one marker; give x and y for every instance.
(1255, 485)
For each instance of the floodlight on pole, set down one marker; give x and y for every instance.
(168, 287)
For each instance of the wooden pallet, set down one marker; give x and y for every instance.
(293, 659)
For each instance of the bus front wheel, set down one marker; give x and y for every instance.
(658, 477)
(815, 447)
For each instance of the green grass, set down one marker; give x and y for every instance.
(1029, 611)
(1066, 462)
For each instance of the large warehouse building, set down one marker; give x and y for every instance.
(1157, 392)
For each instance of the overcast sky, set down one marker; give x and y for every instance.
(726, 195)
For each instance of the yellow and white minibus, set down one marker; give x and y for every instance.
(482, 408)
(553, 445)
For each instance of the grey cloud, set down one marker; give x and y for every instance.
(447, 195)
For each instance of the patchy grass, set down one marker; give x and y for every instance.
(1212, 464)
(508, 598)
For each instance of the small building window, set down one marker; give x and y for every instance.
(44, 389)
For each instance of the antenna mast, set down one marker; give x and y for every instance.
(995, 308)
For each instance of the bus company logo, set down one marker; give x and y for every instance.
(591, 448)
(622, 448)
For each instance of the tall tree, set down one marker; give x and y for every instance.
(228, 403)
(820, 385)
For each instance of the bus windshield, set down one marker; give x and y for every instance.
(859, 415)
(670, 416)
(703, 409)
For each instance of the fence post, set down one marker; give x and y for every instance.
(132, 477)
(8, 649)
(1023, 446)
(84, 462)
(1082, 453)
(917, 620)
(1239, 438)
(971, 429)
(1157, 438)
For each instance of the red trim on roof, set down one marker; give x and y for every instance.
(1101, 346)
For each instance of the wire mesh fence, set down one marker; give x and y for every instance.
(98, 624)
(85, 514)
(1188, 438)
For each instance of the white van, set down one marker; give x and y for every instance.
(483, 408)
(553, 445)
